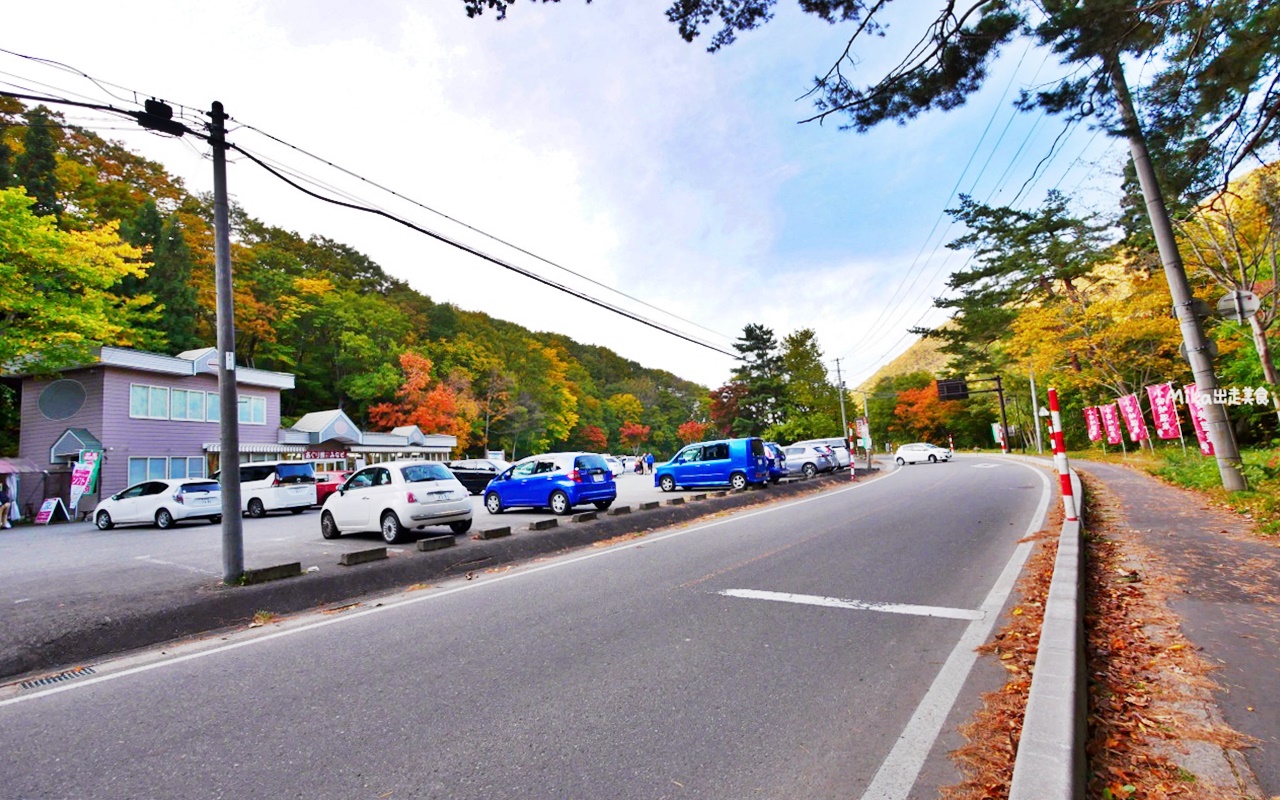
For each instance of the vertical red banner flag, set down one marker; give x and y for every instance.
(1111, 421)
(1131, 410)
(1164, 411)
(1093, 422)
(1196, 411)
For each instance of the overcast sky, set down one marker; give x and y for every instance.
(588, 135)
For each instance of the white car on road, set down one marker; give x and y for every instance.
(395, 497)
(916, 452)
(161, 503)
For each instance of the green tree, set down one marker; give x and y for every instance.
(56, 302)
(811, 403)
(761, 374)
(36, 167)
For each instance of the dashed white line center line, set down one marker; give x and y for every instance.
(188, 568)
(857, 605)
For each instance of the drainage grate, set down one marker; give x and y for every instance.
(70, 674)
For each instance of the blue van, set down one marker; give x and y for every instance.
(736, 462)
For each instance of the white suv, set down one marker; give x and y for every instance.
(395, 497)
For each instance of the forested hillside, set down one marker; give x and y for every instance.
(99, 246)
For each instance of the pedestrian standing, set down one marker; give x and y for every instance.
(648, 463)
(6, 502)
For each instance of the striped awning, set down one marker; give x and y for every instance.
(255, 447)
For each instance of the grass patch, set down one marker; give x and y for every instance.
(1261, 469)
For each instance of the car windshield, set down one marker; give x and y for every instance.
(421, 473)
(590, 463)
(296, 473)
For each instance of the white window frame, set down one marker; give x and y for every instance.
(150, 390)
(252, 409)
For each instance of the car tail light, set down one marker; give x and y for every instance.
(575, 476)
(409, 498)
(177, 497)
(275, 481)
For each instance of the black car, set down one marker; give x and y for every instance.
(475, 473)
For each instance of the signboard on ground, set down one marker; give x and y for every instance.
(51, 508)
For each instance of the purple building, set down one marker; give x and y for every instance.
(150, 415)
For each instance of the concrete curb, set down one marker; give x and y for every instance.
(1050, 764)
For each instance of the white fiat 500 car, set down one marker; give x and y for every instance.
(396, 497)
(916, 452)
(161, 503)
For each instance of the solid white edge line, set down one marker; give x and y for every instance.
(856, 605)
(347, 617)
(900, 769)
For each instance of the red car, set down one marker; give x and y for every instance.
(327, 483)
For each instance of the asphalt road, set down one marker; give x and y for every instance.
(808, 649)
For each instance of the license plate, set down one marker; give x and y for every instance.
(597, 478)
(204, 501)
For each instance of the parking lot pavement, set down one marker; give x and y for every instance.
(70, 591)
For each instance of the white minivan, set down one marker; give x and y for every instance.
(276, 486)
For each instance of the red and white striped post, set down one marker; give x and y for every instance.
(853, 461)
(1060, 457)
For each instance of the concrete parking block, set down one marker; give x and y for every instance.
(676, 501)
(697, 497)
(493, 533)
(544, 524)
(719, 494)
(585, 516)
(616, 510)
(435, 543)
(649, 505)
(362, 556)
(264, 574)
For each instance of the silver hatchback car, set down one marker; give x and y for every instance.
(807, 460)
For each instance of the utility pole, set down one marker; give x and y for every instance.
(228, 397)
(844, 422)
(1004, 424)
(1035, 414)
(1219, 427)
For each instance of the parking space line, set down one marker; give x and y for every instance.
(856, 605)
(186, 567)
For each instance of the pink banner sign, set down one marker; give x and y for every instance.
(1111, 421)
(1131, 410)
(1093, 422)
(1197, 418)
(1164, 410)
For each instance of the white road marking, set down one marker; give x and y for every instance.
(188, 568)
(900, 769)
(857, 605)
(22, 600)
(987, 465)
(499, 578)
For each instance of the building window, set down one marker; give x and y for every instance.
(212, 407)
(186, 467)
(148, 402)
(187, 404)
(253, 410)
(148, 469)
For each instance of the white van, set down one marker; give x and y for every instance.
(839, 446)
(276, 486)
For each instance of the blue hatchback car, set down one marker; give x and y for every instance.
(736, 462)
(558, 481)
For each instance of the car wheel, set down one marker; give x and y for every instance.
(902, 462)
(809, 471)
(460, 527)
(933, 459)
(328, 527)
(256, 508)
(775, 479)
(216, 519)
(738, 481)
(164, 520)
(103, 521)
(603, 504)
(667, 483)
(559, 502)
(392, 530)
(298, 510)
(493, 503)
